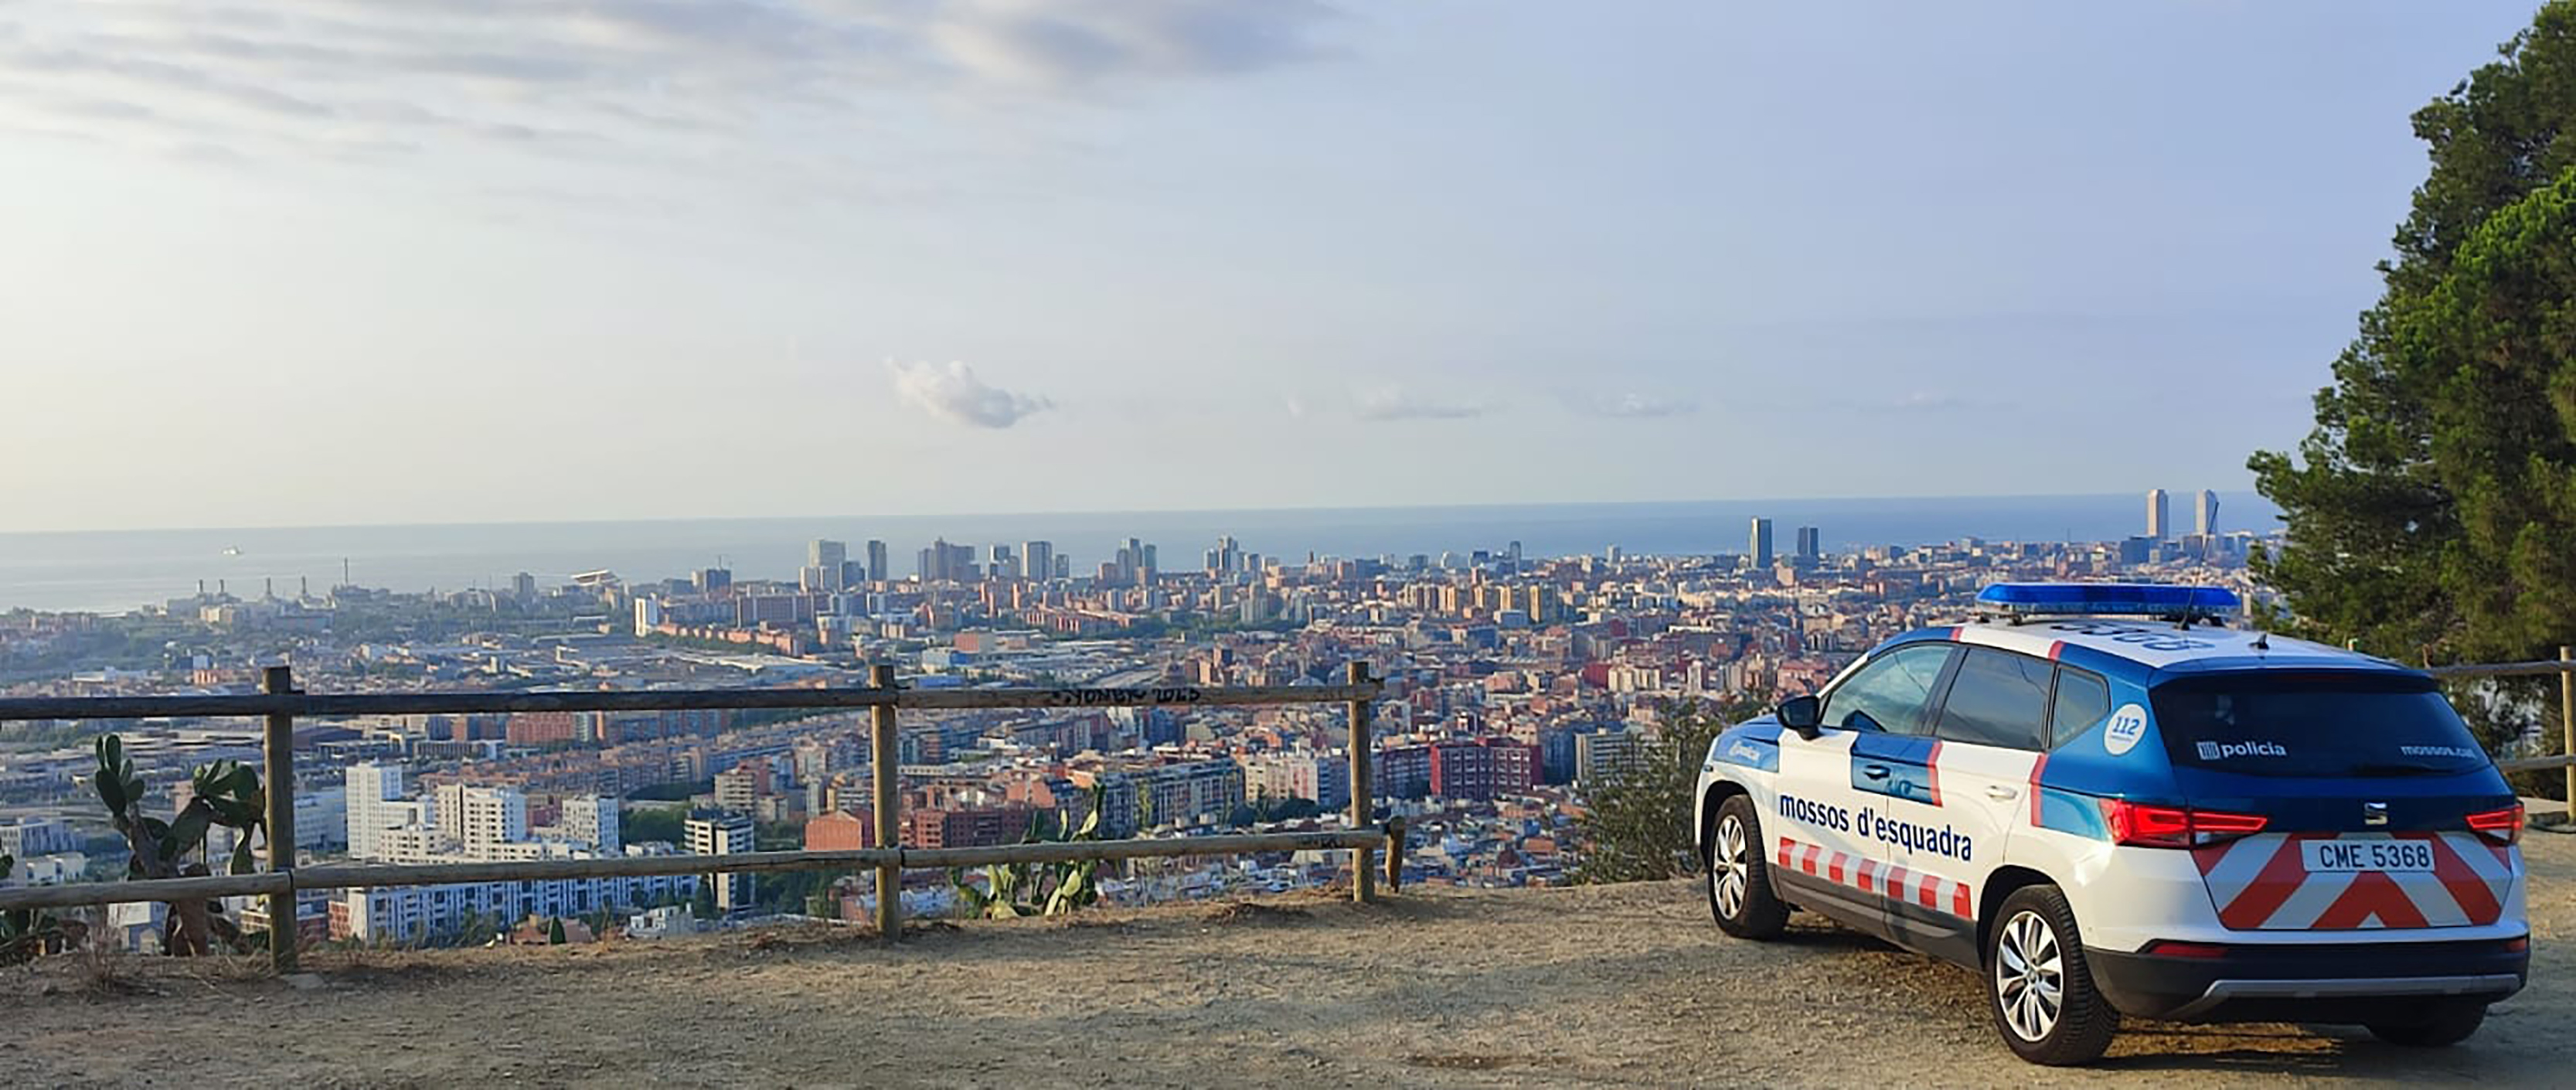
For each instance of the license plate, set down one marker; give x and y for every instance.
(2351, 856)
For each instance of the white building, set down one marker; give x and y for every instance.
(591, 821)
(57, 869)
(663, 922)
(34, 836)
(416, 913)
(322, 818)
(376, 804)
(1605, 754)
(477, 818)
(713, 832)
(458, 823)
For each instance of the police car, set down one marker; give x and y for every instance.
(2108, 804)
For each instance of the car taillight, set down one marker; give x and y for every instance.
(2147, 825)
(2502, 826)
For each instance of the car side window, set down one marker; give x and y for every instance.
(1891, 693)
(1998, 699)
(2083, 699)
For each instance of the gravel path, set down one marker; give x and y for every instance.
(1603, 986)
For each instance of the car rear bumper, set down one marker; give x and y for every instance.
(2340, 982)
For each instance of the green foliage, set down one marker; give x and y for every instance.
(226, 793)
(676, 791)
(1265, 809)
(1012, 890)
(646, 824)
(25, 932)
(702, 905)
(2430, 510)
(1638, 827)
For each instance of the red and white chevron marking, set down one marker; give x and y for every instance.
(2261, 883)
(1882, 879)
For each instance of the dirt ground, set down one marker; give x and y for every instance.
(1600, 986)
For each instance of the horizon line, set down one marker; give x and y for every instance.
(614, 520)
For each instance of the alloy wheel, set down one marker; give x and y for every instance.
(2030, 978)
(1729, 871)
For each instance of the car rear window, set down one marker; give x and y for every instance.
(2314, 724)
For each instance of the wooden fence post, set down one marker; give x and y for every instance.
(1363, 794)
(882, 762)
(1395, 854)
(2567, 720)
(277, 750)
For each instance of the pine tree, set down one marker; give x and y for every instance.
(2432, 509)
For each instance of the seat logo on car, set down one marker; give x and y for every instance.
(2127, 726)
(2374, 813)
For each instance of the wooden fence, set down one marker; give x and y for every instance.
(2565, 668)
(280, 704)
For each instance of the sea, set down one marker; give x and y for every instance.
(118, 570)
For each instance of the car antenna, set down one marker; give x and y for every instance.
(2262, 641)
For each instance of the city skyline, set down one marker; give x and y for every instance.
(1306, 240)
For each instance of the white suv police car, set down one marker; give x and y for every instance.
(2107, 804)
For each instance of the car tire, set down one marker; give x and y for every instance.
(2449, 1024)
(1739, 878)
(2038, 985)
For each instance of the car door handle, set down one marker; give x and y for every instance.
(1875, 772)
(2001, 793)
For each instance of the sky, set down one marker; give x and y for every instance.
(299, 262)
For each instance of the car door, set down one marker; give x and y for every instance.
(1820, 829)
(1987, 736)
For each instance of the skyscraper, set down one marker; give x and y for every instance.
(1037, 559)
(879, 566)
(2159, 525)
(1810, 545)
(943, 562)
(2204, 514)
(1226, 558)
(1760, 547)
(830, 557)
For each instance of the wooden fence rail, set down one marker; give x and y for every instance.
(2565, 668)
(279, 703)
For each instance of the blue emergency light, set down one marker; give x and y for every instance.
(2110, 599)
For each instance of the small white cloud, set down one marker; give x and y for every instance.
(1396, 403)
(951, 392)
(1297, 408)
(1632, 406)
(1926, 401)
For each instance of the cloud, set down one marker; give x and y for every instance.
(1396, 403)
(1932, 401)
(952, 393)
(643, 76)
(1631, 406)
(1069, 43)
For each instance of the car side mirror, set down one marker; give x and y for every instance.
(1803, 714)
